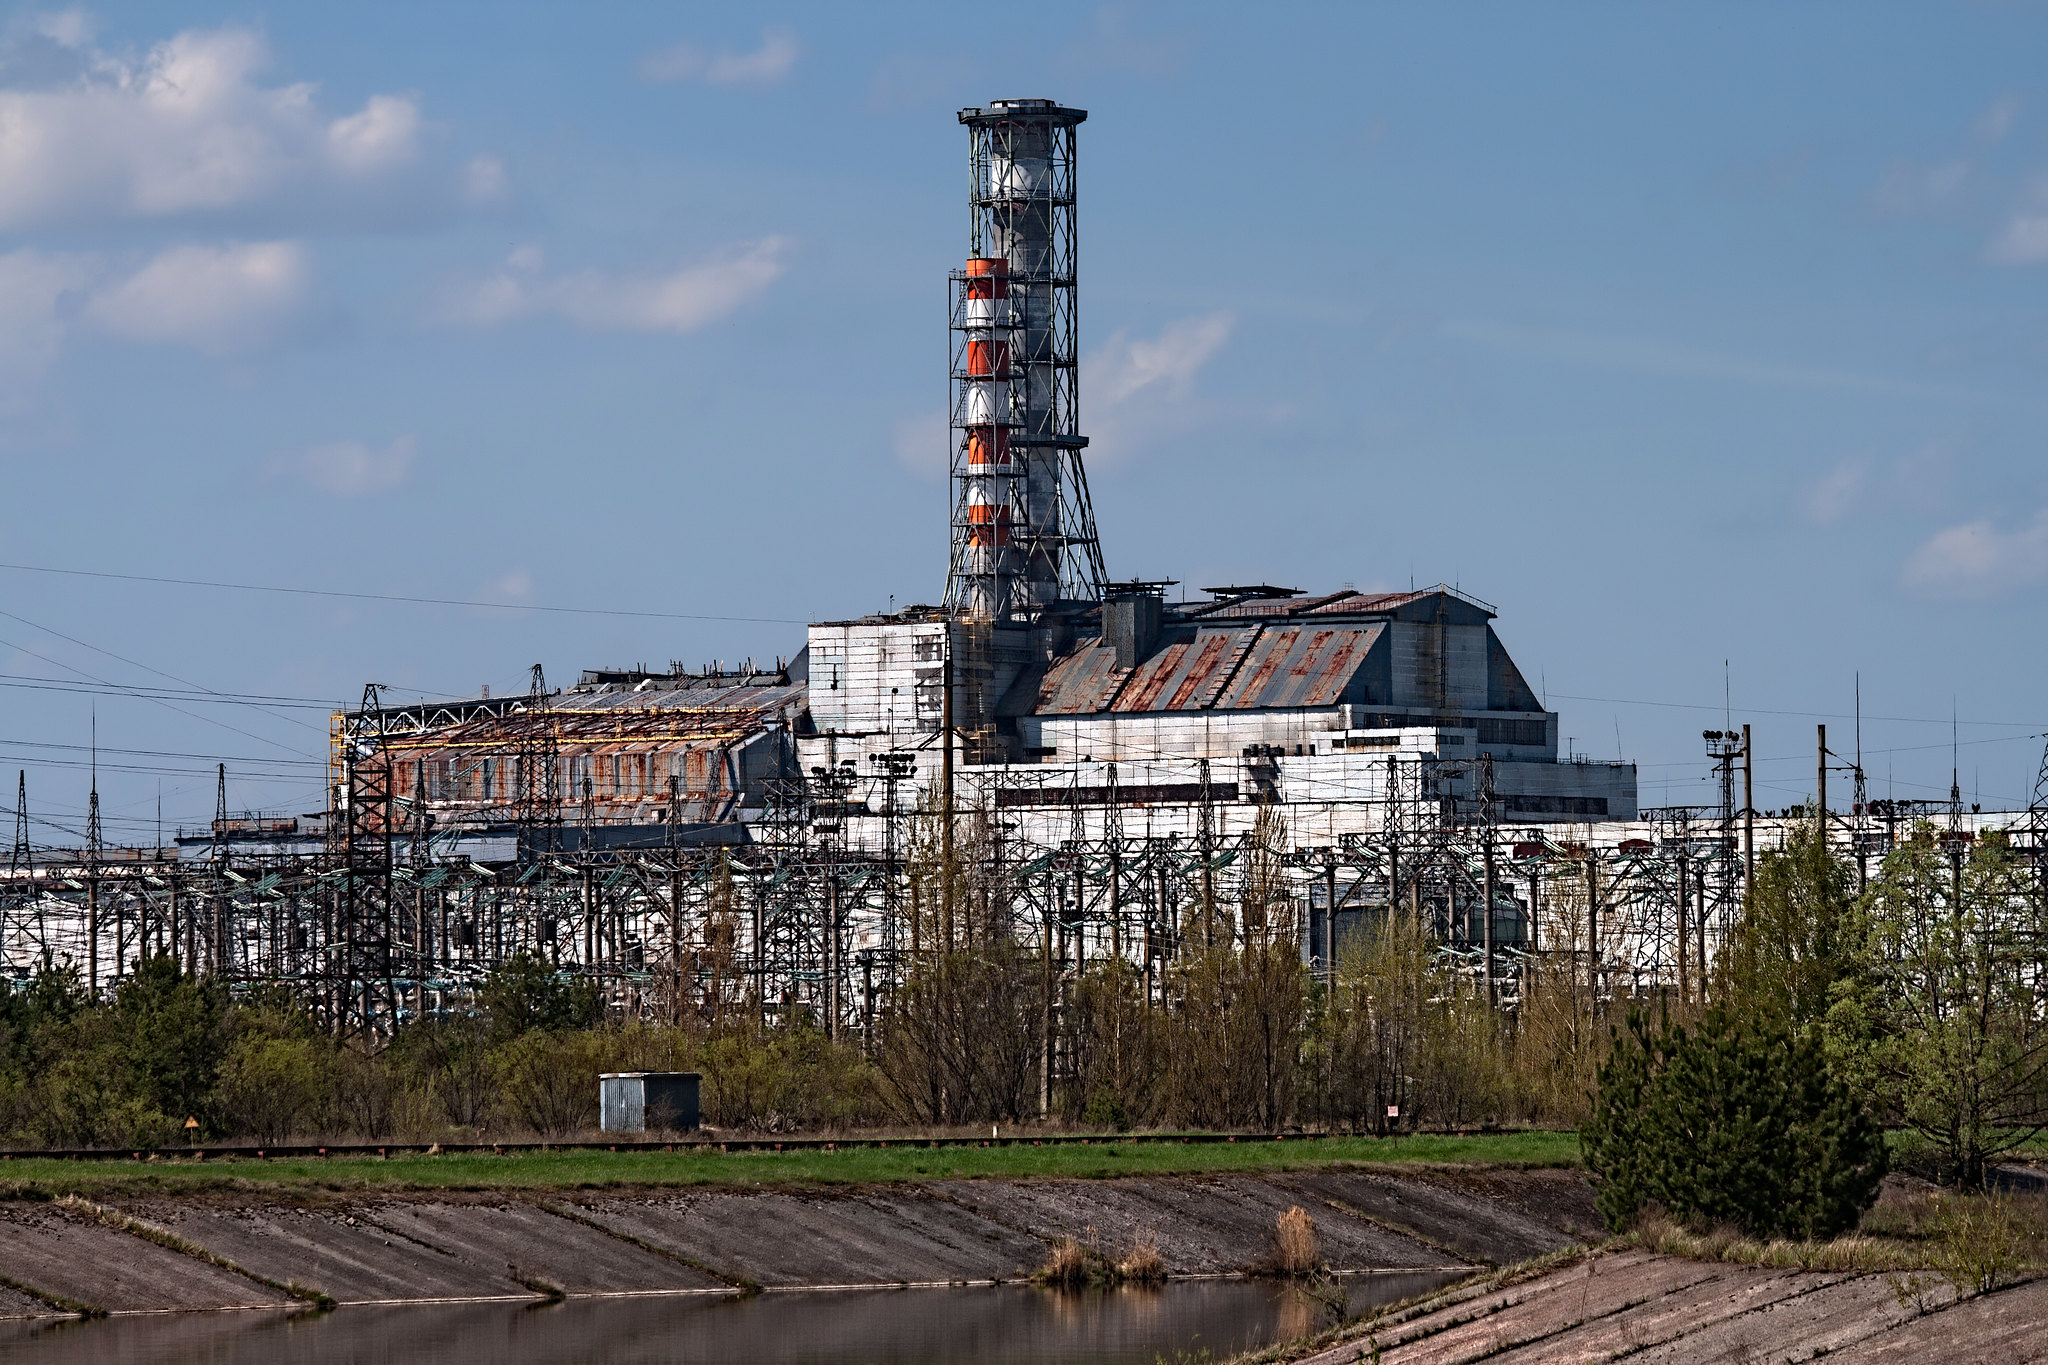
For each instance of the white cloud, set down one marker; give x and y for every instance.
(67, 28)
(1979, 558)
(765, 65)
(1123, 369)
(484, 180)
(1909, 187)
(1834, 495)
(353, 469)
(187, 128)
(683, 300)
(1136, 391)
(2024, 238)
(921, 443)
(515, 585)
(384, 134)
(216, 298)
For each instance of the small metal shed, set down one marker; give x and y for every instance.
(634, 1101)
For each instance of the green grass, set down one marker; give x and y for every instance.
(39, 1177)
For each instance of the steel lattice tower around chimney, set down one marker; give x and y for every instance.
(1023, 528)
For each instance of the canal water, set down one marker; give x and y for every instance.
(1181, 1321)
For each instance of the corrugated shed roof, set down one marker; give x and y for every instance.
(1347, 602)
(1173, 679)
(1299, 666)
(1222, 667)
(1080, 684)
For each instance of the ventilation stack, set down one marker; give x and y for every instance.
(1023, 535)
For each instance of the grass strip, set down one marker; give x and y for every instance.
(42, 1178)
(56, 1301)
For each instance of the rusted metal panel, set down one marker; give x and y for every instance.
(1272, 650)
(1080, 684)
(1213, 651)
(1150, 678)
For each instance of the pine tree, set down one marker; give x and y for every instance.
(1735, 1122)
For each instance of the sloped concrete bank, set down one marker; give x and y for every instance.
(219, 1252)
(1648, 1308)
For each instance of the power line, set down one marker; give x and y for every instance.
(398, 597)
(135, 663)
(162, 753)
(1810, 715)
(150, 692)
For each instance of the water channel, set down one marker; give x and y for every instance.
(1007, 1325)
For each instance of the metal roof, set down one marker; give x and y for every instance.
(1230, 667)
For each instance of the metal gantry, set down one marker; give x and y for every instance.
(812, 916)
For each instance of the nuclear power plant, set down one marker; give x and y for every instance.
(1111, 755)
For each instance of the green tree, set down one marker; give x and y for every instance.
(524, 993)
(1944, 1019)
(1737, 1121)
(276, 1075)
(1793, 941)
(172, 1032)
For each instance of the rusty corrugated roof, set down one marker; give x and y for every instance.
(1080, 683)
(1299, 666)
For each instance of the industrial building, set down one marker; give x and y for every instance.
(1065, 688)
(1115, 753)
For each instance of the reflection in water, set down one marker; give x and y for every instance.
(1012, 1325)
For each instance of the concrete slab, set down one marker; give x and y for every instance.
(1803, 1327)
(94, 1264)
(342, 1252)
(2009, 1327)
(522, 1243)
(826, 1238)
(1726, 1293)
(1475, 1228)
(1204, 1226)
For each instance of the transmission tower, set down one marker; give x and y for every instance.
(539, 773)
(368, 998)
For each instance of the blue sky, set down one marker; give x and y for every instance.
(1685, 334)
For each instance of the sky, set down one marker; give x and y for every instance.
(418, 345)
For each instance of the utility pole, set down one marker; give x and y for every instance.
(946, 798)
(92, 875)
(1748, 813)
(1684, 939)
(21, 866)
(1487, 892)
(1492, 997)
(1593, 927)
(1821, 781)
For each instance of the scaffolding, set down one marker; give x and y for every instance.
(1023, 524)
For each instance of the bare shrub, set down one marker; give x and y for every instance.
(1067, 1266)
(1297, 1251)
(1982, 1243)
(1143, 1263)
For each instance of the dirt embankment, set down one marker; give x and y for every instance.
(1662, 1309)
(235, 1252)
